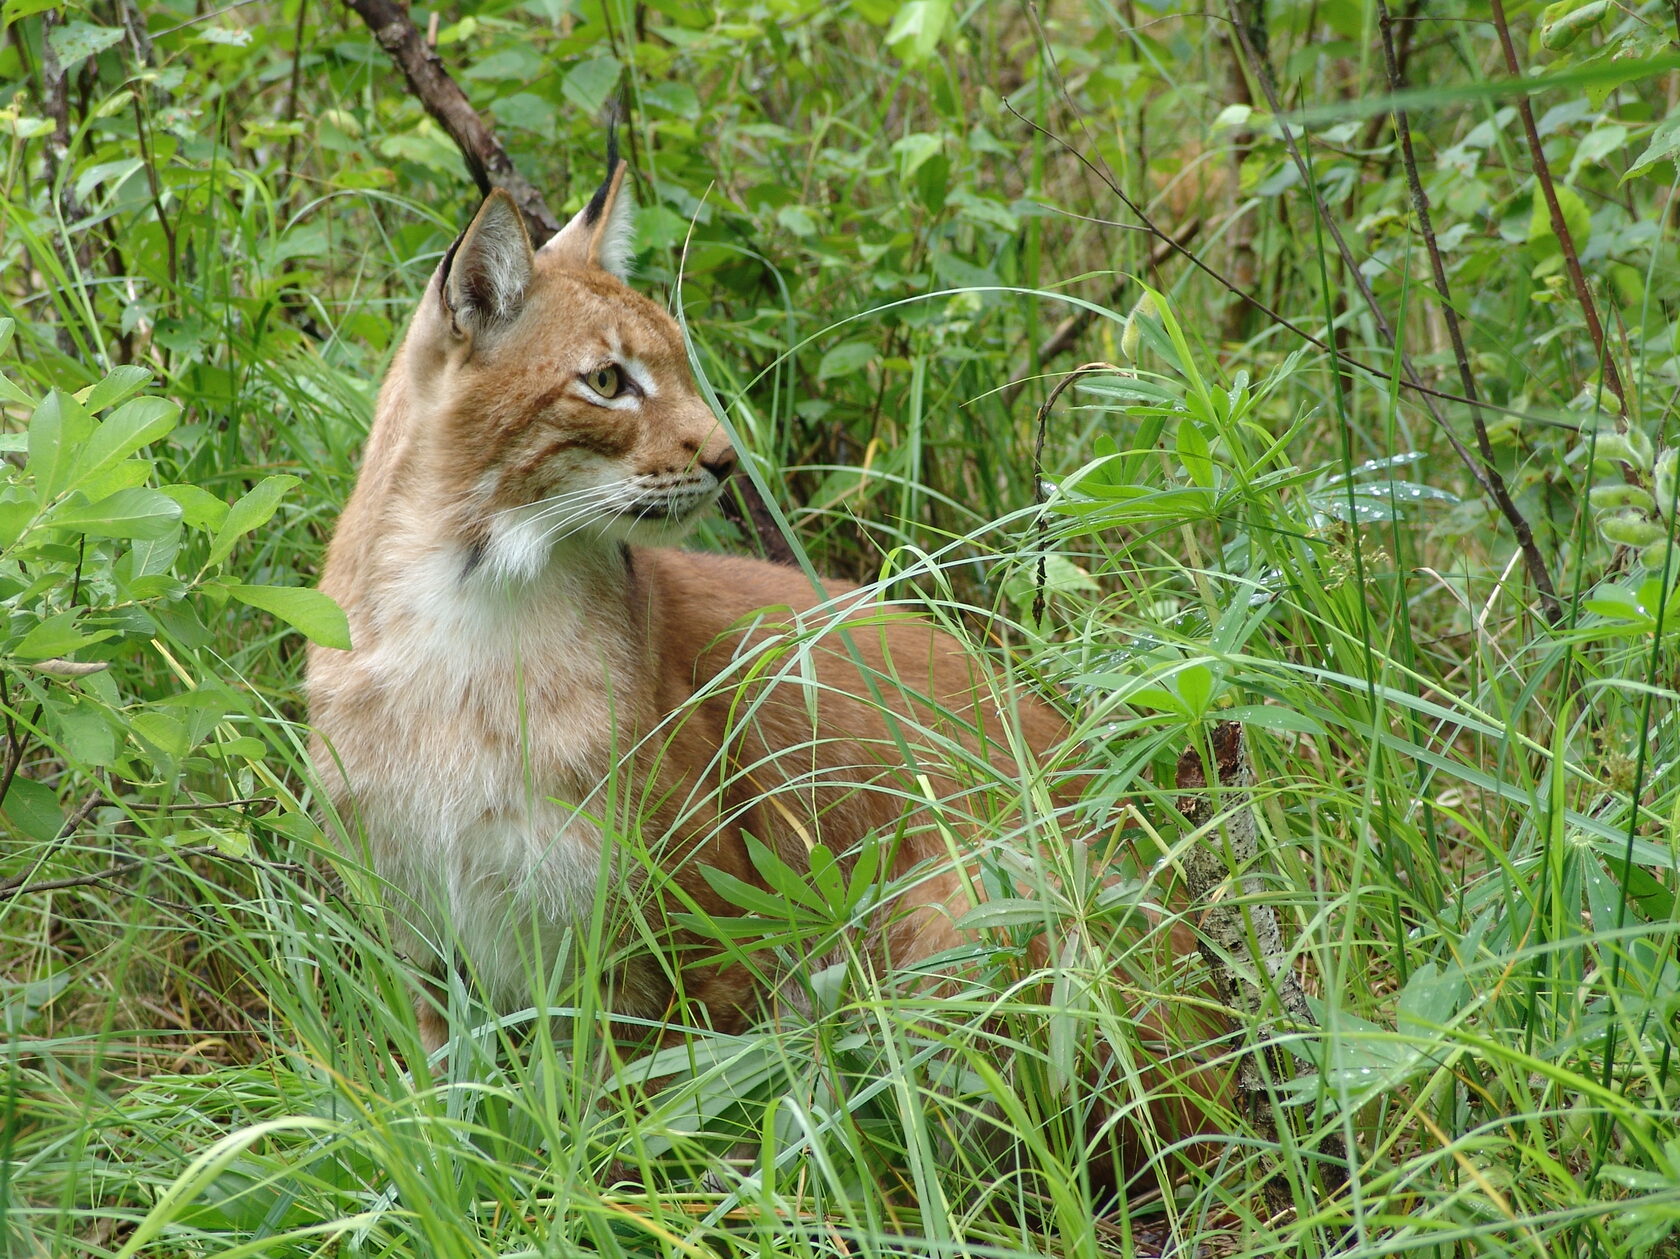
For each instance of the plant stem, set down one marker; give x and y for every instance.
(1466, 380)
(1543, 175)
(1486, 474)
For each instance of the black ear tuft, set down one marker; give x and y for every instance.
(448, 265)
(592, 211)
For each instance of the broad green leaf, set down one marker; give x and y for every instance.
(138, 512)
(200, 509)
(846, 359)
(131, 426)
(12, 392)
(86, 729)
(254, 509)
(1576, 218)
(914, 149)
(17, 508)
(32, 807)
(75, 42)
(589, 83)
(7, 326)
(1561, 24)
(119, 476)
(163, 732)
(55, 636)
(1665, 143)
(56, 432)
(118, 384)
(310, 612)
(916, 29)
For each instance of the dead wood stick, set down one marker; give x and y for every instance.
(487, 161)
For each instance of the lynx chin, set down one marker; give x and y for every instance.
(543, 700)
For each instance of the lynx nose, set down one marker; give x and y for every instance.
(720, 462)
(714, 454)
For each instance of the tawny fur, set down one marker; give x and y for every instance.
(530, 682)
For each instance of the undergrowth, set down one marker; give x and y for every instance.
(892, 229)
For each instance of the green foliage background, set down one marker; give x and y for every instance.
(875, 218)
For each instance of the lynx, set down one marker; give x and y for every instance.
(535, 675)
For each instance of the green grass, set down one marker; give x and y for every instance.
(1467, 814)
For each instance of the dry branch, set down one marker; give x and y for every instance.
(1560, 227)
(1443, 290)
(487, 161)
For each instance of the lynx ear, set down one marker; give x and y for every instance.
(599, 235)
(488, 269)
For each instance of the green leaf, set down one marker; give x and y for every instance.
(75, 42)
(1665, 143)
(118, 384)
(253, 510)
(56, 432)
(1271, 717)
(1561, 24)
(138, 512)
(916, 29)
(310, 612)
(846, 359)
(589, 83)
(12, 392)
(55, 636)
(200, 509)
(32, 807)
(1576, 218)
(86, 730)
(1195, 454)
(131, 426)
(914, 149)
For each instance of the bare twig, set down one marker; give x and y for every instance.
(1277, 317)
(1467, 381)
(1486, 473)
(487, 161)
(1067, 333)
(289, 113)
(1548, 190)
(1083, 369)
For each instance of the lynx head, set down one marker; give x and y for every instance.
(548, 404)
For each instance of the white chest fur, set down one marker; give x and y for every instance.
(475, 731)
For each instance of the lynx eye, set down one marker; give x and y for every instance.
(607, 381)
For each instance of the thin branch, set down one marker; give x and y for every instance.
(1038, 473)
(289, 113)
(1487, 474)
(1548, 190)
(487, 161)
(1466, 379)
(1067, 333)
